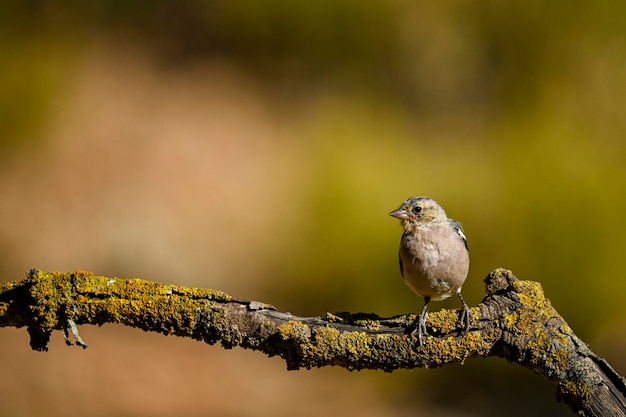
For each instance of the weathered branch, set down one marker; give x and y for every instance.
(514, 321)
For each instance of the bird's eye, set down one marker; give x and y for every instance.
(417, 209)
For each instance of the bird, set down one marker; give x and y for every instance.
(434, 256)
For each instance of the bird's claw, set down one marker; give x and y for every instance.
(420, 327)
(465, 317)
(465, 312)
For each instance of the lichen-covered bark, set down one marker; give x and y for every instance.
(514, 321)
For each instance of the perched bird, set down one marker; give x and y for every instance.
(434, 256)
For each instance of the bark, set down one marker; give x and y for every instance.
(514, 321)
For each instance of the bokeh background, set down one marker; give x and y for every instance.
(257, 147)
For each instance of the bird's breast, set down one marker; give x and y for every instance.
(435, 263)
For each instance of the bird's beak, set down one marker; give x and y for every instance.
(400, 214)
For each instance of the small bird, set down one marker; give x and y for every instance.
(434, 256)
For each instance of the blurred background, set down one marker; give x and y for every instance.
(257, 147)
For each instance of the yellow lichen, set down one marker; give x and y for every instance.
(330, 344)
(446, 321)
(332, 318)
(580, 392)
(369, 324)
(293, 330)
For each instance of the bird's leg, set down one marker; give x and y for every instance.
(465, 314)
(420, 328)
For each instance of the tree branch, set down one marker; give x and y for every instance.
(514, 321)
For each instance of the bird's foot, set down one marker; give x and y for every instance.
(465, 317)
(419, 327)
(465, 313)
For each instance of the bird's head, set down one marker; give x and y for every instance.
(419, 211)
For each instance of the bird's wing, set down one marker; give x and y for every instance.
(459, 231)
